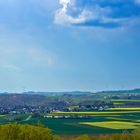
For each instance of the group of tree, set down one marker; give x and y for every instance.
(30, 132)
(25, 132)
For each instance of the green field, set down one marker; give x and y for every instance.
(123, 101)
(100, 122)
(123, 109)
(114, 124)
(72, 126)
(99, 113)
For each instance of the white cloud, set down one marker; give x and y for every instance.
(62, 16)
(64, 3)
(97, 13)
(72, 13)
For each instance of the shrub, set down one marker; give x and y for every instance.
(25, 132)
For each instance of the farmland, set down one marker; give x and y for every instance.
(97, 113)
(114, 124)
(102, 122)
(124, 101)
(123, 109)
(99, 122)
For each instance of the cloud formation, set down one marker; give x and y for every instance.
(96, 13)
(62, 16)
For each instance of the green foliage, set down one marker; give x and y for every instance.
(25, 132)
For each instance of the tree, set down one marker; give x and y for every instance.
(25, 132)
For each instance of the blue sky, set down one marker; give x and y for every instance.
(67, 45)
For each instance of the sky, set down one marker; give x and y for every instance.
(69, 45)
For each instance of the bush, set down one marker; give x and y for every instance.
(25, 132)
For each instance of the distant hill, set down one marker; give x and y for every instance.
(12, 100)
(133, 91)
(32, 98)
(57, 93)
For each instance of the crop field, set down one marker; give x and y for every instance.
(102, 122)
(99, 113)
(2, 115)
(72, 126)
(114, 124)
(123, 101)
(13, 118)
(110, 121)
(123, 109)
